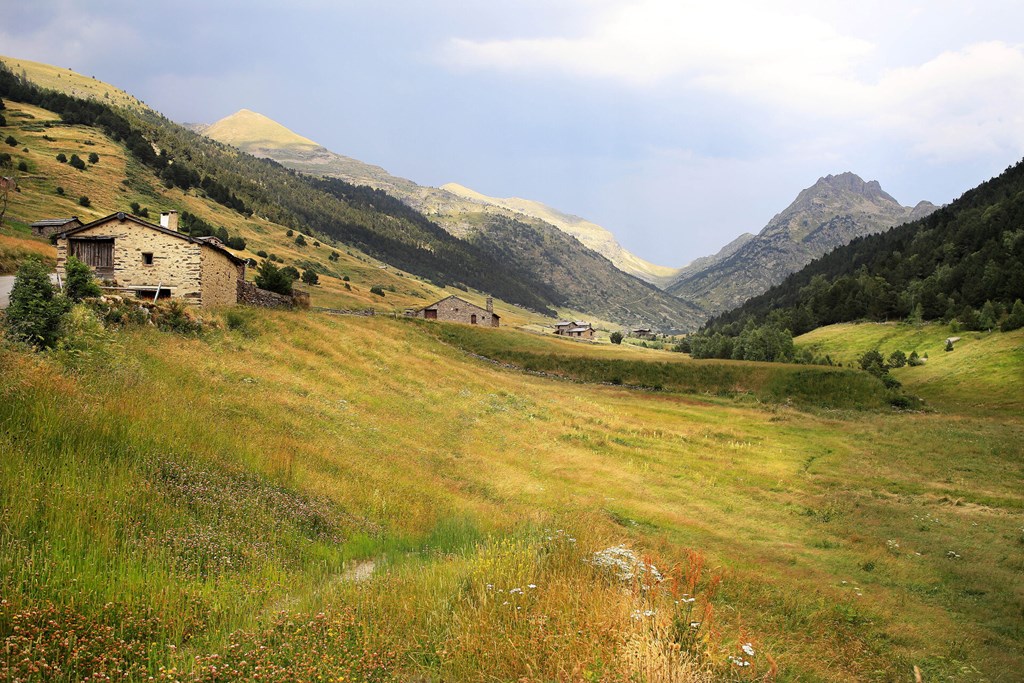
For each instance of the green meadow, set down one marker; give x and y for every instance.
(301, 496)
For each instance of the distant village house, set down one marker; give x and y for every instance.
(576, 329)
(154, 261)
(643, 333)
(54, 226)
(455, 310)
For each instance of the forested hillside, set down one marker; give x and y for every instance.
(263, 187)
(963, 262)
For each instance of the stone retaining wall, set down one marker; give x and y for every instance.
(251, 295)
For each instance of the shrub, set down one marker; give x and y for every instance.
(616, 337)
(176, 317)
(897, 359)
(22, 166)
(300, 241)
(914, 360)
(60, 190)
(84, 201)
(3, 121)
(261, 253)
(271, 278)
(333, 257)
(135, 207)
(36, 308)
(873, 362)
(11, 141)
(76, 162)
(310, 277)
(292, 272)
(377, 289)
(62, 158)
(79, 282)
(236, 242)
(949, 345)
(345, 279)
(290, 232)
(94, 158)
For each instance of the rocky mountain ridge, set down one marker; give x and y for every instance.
(829, 214)
(547, 243)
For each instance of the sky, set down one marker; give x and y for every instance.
(677, 125)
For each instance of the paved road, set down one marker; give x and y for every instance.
(7, 281)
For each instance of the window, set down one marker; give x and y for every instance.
(147, 258)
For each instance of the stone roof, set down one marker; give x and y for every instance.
(53, 222)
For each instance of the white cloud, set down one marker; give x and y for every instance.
(964, 103)
(647, 42)
(788, 63)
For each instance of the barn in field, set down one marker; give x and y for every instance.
(455, 310)
(154, 261)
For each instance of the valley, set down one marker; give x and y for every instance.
(211, 494)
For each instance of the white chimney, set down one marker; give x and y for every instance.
(169, 220)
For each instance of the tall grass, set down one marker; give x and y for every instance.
(192, 507)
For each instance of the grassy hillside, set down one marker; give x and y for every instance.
(630, 366)
(984, 374)
(117, 180)
(75, 84)
(194, 508)
(373, 222)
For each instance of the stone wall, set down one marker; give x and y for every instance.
(219, 275)
(176, 261)
(251, 295)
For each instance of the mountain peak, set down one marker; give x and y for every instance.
(853, 183)
(252, 128)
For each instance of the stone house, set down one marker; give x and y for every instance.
(53, 226)
(577, 329)
(154, 261)
(455, 310)
(643, 333)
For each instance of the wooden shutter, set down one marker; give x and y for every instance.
(96, 253)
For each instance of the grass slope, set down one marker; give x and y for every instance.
(984, 374)
(178, 504)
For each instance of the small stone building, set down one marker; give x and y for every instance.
(53, 226)
(154, 261)
(455, 310)
(643, 333)
(577, 329)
